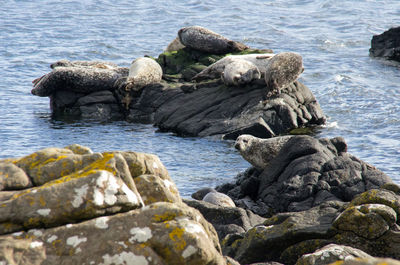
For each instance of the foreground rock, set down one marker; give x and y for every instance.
(369, 223)
(180, 105)
(387, 45)
(72, 206)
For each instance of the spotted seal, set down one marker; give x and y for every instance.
(220, 199)
(143, 71)
(216, 69)
(205, 40)
(282, 70)
(259, 152)
(240, 72)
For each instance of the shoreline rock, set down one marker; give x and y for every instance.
(386, 45)
(177, 104)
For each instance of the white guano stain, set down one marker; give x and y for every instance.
(191, 227)
(132, 198)
(74, 241)
(44, 212)
(36, 232)
(107, 187)
(35, 244)
(51, 239)
(155, 165)
(17, 234)
(168, 184)
(98, 197)
(80, 194)
(189, 251)
(124, 258)
(140, 234)
(101, 222)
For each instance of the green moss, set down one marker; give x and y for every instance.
(301, 131)
(178, 62)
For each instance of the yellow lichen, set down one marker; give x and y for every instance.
(176, 236)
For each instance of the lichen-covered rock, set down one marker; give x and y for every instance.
(12, 177)
(368, 261)
(21, 251)
(268, 241)
(332, 253)
(162, 233)
(87, 208)
(155, 189)
(82, 195)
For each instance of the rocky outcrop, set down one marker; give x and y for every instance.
(368, 223)
(177, 103)
(72, 206)
(387, 45)
(303, 174)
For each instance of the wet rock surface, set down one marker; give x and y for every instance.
(104, 91)
(387, 45)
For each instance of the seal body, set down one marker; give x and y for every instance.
(205, 40)
(143, 71)
(216, 69)
(282, 70)
(259, 152)
(220, 199)
(240, 72)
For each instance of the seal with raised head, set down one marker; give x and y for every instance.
(216, 69)
(259, 152)
(240, 72)
(205, 40)
(282, 70)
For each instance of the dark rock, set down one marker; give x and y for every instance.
(177, 104)
(305, 173)
(226, 220)
(387, 44)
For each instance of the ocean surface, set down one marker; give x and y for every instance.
(360, 95)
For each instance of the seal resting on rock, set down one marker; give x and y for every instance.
(216, 69)
(282, 70)
(240, 72)
(143, 71)
(220, 199)
(205, 40)
(259, 152)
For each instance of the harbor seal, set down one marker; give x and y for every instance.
(240, 72)
(282, 70)
(205, 40)
(259, 152)
(216, 69)
(220, 199)
(143, 71)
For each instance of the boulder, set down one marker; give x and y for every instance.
(304, 173)
(332, 253)
(368, 223)
(161, 233)
(83, 207)
(387, 45)
(226, 220)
